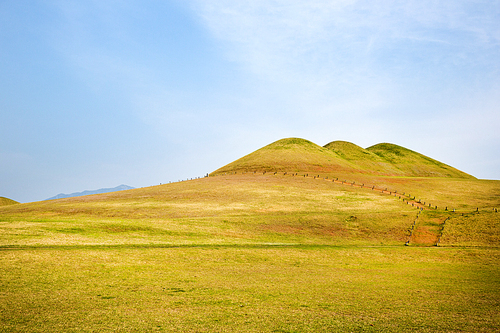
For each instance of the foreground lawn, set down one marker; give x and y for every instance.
(244, 288)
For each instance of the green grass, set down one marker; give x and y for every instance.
(472, 229)
(250, 289)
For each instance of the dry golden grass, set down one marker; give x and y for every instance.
(251, 208)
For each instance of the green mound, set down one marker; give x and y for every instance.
(414, 164)
(290, 155)
(364, 159)
(6, 201)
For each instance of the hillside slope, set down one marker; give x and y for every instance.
(260, 209)
(233, 209)
(260, 252)
(414, 164)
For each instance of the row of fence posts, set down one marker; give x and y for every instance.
(413, 227)
(441, 232)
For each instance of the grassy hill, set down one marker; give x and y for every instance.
(6, 201)
(255, 209)
(318, 246)
(341, 157)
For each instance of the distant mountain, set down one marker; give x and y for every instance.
(99, 191)
(299, 155)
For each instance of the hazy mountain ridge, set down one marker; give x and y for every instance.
(89, 192)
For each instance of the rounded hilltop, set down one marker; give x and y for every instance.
(351, 151)
(301, 155)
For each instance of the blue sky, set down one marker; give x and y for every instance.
(101, 93)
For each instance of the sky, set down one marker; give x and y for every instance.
(95, 94)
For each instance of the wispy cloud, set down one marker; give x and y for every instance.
(270, 34)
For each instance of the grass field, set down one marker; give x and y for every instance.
(258, 252)
(250, 289)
